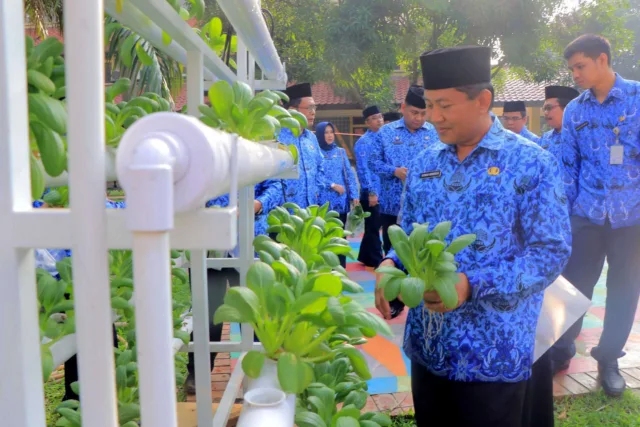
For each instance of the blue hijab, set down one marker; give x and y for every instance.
(320, 128)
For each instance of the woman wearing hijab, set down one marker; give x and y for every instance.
(343, 191)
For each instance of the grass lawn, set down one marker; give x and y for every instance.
(591, 410)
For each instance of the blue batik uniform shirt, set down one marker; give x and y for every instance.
(369, 181)
(596, 189)
(337, 170)
(526, 133)
(395, 147)
(509, 192)
(305, 190)
(552, 142)
(268, 192)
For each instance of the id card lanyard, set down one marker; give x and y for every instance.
(616, 154)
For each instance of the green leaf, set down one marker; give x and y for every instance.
(302, 303)
(47, 363)
(328, 283)
(229, 314)
(412, 291)
(143, 56)
(445, 266)
(252, 363)
(441, 230)
(245, 301)
(358, 362)
(436, 247)
(397, 234)
(461, 243)
(260, 277)
(347, 422)
(119, 303)
(166, 38)
(392, 288)
(381, 419)
(350, 286)
(308, 419)
(392, 271)
(73, 416)
(447, 292)
(336, 310)
(128, 412)
(184, 336)
(357, 398)
(221, 98)
(293, 374)
(365, 319)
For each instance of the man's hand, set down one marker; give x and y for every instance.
(433, 302)
(373, 200)
(338, 189)
(257, 206)
(382, 304)
(401, 173)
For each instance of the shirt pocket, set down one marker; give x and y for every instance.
(496, 220)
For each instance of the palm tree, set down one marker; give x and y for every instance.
(42, 14)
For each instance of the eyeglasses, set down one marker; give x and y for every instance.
(311, 108)
(510, 119)
(548, 108)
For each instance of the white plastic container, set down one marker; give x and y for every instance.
(265, 404)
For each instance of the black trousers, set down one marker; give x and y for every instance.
(538, 404)
(216, 289)
(387, 221)
(621, 247)
(370, 247)
(71, 371)
(441, 402)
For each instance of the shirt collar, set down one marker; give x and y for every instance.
(617, 91)
(493, 140)
(400, 124)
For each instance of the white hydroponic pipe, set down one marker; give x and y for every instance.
(246, 17)
(208, 158)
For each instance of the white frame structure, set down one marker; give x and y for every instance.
(87, 227)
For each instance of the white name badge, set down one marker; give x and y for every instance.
(616, 154)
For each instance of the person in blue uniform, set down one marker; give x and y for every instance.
(556, 100)
(71, 365)
(268, 195)
(514, 117)
(601, 146)
(370, 248)
(342, 192)
(509, 192)
(396, 145)
(391, 116)
(303, 191)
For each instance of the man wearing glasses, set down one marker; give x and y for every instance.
(556, 99)
(304, 190)
(515, 118)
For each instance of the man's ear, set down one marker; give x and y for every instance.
(484, 101)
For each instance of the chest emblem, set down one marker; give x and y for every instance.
(493, 171)
(622, 118)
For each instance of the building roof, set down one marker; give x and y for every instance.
(513, 90)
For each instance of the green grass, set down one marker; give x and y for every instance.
(590, 410)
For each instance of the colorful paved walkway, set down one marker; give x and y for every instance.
(390, 367)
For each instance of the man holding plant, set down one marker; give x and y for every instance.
(303, 191)
(470, 336)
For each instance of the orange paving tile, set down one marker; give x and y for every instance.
(387, 353)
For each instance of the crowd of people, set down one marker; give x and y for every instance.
(540, 206)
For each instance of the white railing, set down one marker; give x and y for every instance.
(91, 231)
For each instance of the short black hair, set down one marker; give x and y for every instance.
(473, 91)
(295, 103)
(563, 102)
(590, 45)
